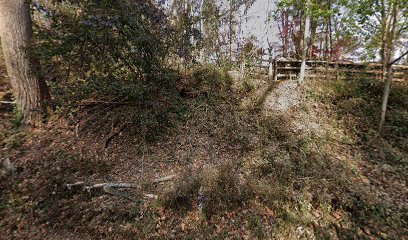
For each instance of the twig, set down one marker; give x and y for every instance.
(7, 102)
(164, 179)
(112, 185)
(69, 186)
(76, 130)
(88, 103)
(314, 178)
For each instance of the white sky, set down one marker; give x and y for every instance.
(257, 24)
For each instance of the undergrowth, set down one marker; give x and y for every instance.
(310, 184)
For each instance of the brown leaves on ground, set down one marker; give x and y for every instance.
(245, 173)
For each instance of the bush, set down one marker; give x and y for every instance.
(212, 82)
(114, 48)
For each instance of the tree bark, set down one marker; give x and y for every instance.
(30, 91)
(389, 53)
(385, 25)
(230, 33)
(304, 48)
(285, 31)
(330, 33)
(202, 29)
(386, 94)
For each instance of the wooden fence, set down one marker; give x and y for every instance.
(284, 69)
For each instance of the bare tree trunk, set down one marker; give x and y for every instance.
(310, 43)
(389, 54)
(284, 32)
(330, 34)
(322, 54)
(327, 42)
(230, 33)
(202, 29)
(29, 89)
(386, 94)
(304, 48)
(385, 57)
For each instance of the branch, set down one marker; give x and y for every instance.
(111, 187)
(164, 179)
(88, 103)
(69, 186)
(399, 58)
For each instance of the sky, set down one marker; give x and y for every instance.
(257, 23)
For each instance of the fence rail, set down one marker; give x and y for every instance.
(281, 69)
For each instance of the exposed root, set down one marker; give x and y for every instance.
(113, 133)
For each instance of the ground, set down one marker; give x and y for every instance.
(264, 160)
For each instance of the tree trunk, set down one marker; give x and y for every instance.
(330, 33)
(304, 48)
(386, 94)
(389, 54)
(327, 41)
(202, 29)
(230, 33)
(385, 25)
(30, 91)
(310, 43)
(285, 31)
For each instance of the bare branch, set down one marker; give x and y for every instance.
(111, 187)
(164, 179)
(7, 102)
(399, 58)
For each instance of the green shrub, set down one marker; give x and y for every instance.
(103, 48)
(212, 82)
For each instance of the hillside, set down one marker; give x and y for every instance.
(271, 161)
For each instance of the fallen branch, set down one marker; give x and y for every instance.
(112, 191)
(69, 186)
(164, 179)
(7, 102)
(89, 103)
(111, 187)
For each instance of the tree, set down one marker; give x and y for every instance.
(29, 89)
(305, 32)
(383, 23)
(390, 36)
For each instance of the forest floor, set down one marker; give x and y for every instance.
(265, 161)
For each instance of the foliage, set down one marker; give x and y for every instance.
(98, 44)
(212, 82)
(332, 30)
(371, 22)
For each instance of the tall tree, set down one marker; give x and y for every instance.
(29, 89)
